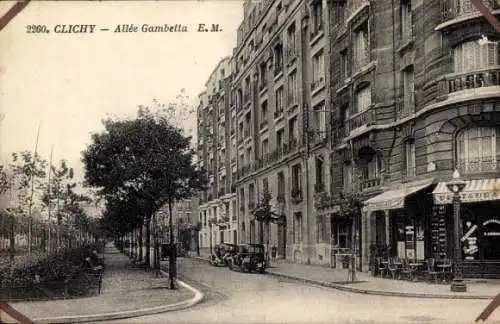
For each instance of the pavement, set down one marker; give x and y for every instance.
(127, 291)
(235, 297)
(367, 284)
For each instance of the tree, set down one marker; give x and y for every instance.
(147, 158)
(264, 214)
(27, 170)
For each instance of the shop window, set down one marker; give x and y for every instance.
(477, 150)
(475, 55)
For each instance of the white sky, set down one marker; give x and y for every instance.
(69, 82)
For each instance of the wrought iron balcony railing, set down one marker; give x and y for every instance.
(452, 9)
(365, 118)
(469, 80)
(369, 183)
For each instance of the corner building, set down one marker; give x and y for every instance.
(415, 89)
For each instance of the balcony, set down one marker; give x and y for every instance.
(262, 86)
(369, 183)
(452, 83)
(452, 9)
(317, 84)
(364, 118)
(263, 124)
(292, 146)
(296, 195)
(291, 55)
(405, 110)
(318, 137)
(278, 69)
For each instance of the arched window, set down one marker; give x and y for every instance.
(477, 149)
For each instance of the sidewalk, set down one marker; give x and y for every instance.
(127, 291)
(367, 284)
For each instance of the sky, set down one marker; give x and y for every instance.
(66, 83)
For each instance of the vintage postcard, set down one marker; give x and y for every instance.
(250, 161)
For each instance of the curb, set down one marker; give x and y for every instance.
(198, 297)
(377, 292)
(369, 291)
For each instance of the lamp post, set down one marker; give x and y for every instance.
(456, 185)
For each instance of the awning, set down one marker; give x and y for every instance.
(474, 191)
(395, 198)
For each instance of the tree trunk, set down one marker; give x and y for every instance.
(148, 240)
(12, 238)
(172, 266)
(140, 244)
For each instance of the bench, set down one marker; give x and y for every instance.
(94, 272)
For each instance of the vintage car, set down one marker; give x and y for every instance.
(222, 252)
(249, 257)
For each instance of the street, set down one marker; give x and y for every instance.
(233, 297)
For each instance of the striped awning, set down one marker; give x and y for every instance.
(395, 198)
(474, 191)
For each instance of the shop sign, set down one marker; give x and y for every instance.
(491, 233)
(489, 221)
(469, 233)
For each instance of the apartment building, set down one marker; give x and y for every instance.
(216, 148)
(280, 90)
(415, 90)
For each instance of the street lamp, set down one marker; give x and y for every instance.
(456, 185)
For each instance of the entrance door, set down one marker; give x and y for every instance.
(282, 240)
(491, 239)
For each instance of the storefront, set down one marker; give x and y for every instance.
(480, 221)
(397, 222)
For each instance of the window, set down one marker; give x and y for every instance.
(278, 59)
(263, 75)
(342, 234)
(242, 159)
(291, 42)
(321, 229)
(248, 119)
(410, 158)
(280, 138)
(263, 111)
(296, 177)
(279, 100)
(319, 174)
(251, 194)
(408, 91)
(293, 129)
(265, 185)
(475, 55)
(265, 147)
(318, 65)
(363, 99)
(281, 184)
(317, 17)
(344, 64)
(361, 47)
(347, 175)
(320, 120)
(292, 88)
(477, 149)
(406, 21)
(249, 156)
